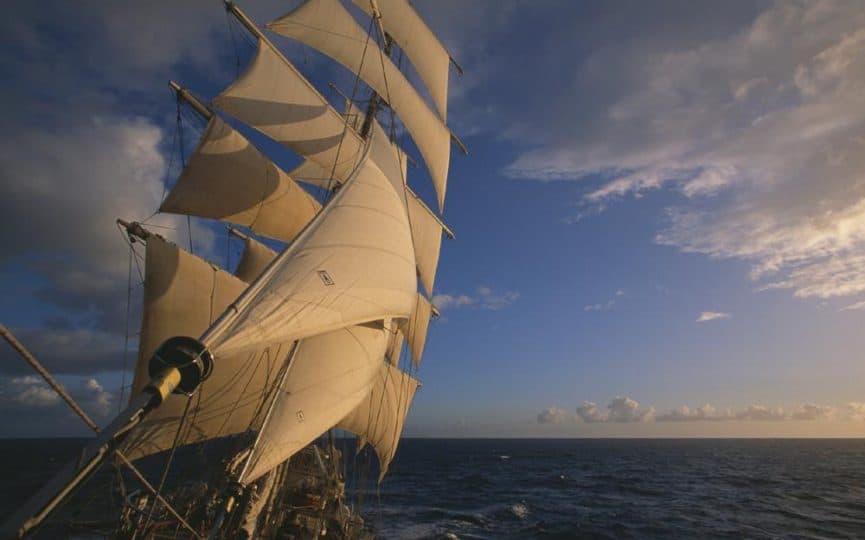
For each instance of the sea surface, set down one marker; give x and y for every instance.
(584, 488)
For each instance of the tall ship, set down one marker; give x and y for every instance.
(246, 378)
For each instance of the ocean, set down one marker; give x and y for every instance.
(583, 488)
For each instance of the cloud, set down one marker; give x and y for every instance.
(705, 412)
(619, 410)
(810, 411)
(605, 306)
(29, 397)
(552, 415)
(485, 298)
(762, 413)
(757, 120)
(707, 316)
(855, 306)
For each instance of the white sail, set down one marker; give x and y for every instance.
(353, 264)
(273, 97)
(330, 375)
(418, 325)
(326, 26)
(183, 294)
(422, 47)
(394, 343)
(229, 179)
(391, 159)
(256, 257)
(379, 419)
(426, 232)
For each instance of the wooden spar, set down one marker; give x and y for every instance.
(52, 382)
(193, 101)
(447, 230)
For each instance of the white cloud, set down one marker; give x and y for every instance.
(605, 306)
(552, 415)
(485, 298)
(619, 410)
(705, 412)
(810, 411)
(762, 413)
(854, 306)
(31, 391)
(707, 316)
(761, 128)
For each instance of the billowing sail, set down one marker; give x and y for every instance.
(379, 419)
(256, 257)
(326, 26)
(426, 232)
(330, 375)
(418, 325)
(353, 264)
(394, 343)
(229, 179)
(183, 294)
(390, 159)
(273, 97)
(423, 48)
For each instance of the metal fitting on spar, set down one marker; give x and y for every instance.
(178, 366)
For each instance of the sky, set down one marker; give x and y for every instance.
(660, 225)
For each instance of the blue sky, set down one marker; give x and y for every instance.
(633, 168)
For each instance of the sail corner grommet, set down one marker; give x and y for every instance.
(189, 356)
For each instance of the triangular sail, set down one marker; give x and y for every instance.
(330, 375)
(229, 179)
(326, 26)
(183, 294)
(256, 257)
(273, 97)
(422, 47)
(379, 419)
(353, 264)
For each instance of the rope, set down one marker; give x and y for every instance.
(126, 331)
(167, 467)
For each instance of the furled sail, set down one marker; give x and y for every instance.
(183, 294)
(273, 97)
(354, 264)
(379, 419)
(330, 375)
(423, 48)
(256, 257)
(328, 27)
(229, 179)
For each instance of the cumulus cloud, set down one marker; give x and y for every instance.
(703, 412)
(619, 410)
(484, 298)
(552, 415)
(759, 125)
(707, 316)
(30, 397)
(761, 412)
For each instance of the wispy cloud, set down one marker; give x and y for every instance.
(605, 306)
(707, 316)
(484, 298)
(855, 306)
(759, 127)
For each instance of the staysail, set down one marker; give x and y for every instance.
(330, 375)
(328, 27)
(353, 264)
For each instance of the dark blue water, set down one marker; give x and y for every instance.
(587, 488)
